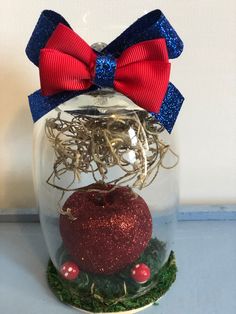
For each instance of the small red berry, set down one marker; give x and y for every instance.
(141, 273)
(69, 270)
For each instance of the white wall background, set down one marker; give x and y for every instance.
(205, 73)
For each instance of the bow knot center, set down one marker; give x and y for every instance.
(105, 69)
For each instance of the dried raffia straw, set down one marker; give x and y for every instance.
(93, 144)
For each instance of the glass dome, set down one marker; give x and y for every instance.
(107, 190)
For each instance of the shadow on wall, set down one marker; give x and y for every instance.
(16, 186)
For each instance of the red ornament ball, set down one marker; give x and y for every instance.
(111, 228)
(69, 270)
(141, 273)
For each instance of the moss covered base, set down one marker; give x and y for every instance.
(116, 293)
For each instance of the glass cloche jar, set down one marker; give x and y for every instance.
(104, 163)
(107, 189)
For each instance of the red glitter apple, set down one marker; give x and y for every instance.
(141, 273)
(111, 227)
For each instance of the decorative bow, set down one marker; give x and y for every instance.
(141, 72)
(135, 64)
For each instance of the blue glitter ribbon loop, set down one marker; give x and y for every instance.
(150, 26)
(105, 71)
(153, 25)
(47, 23)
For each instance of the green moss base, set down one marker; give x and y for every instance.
(116, 293)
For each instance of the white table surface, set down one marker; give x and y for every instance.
(206, 282)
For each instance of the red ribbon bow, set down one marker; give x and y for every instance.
(142, 71)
